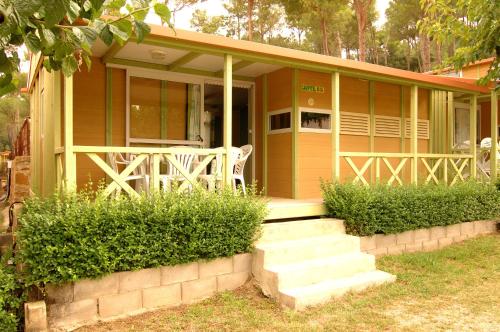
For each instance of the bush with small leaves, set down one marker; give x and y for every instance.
(74, 236)
(386, 209)
(11, 297)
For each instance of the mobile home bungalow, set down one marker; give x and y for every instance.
(307, 116)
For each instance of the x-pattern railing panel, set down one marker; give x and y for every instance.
(151, 156)
(437, 167)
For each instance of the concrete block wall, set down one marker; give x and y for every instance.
(126, 293)
(426, 239)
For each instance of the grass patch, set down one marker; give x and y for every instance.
(457, 288)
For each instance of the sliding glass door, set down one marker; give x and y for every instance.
(164, 112)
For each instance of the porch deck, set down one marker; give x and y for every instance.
(287, 208)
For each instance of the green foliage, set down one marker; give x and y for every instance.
(74, 236)
(473, 25)
(387, 210)
(64, 30)
(11, 298)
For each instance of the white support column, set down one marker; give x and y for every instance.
(228, 110)
(414, 133)
(494, 136)
(473, 135)
(69, 156)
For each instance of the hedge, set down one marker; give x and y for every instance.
(386, 210)
(11, 297)
(74, 236)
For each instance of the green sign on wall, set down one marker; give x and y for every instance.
(313, 88)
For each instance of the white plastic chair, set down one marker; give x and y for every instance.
(214, 178)
(173, 174)
(139, 174)
(239, 167)
(483, 160)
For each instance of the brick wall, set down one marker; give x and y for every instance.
(21, 179)
(79, 303)
(426, 239)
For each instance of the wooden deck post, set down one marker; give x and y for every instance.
(335, 126)
(295, 132)
(451, 122)
(69, 155)
(414, 134)
(228, 112)
(473, 134)
(494, 136)
(265, 126)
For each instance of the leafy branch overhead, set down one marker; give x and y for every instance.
(64, 30)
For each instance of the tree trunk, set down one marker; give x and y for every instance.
(439, 56)
(408, 57)
(425, 52)
(361, 8)
(250, 19)
(324, 33)
(338, 50)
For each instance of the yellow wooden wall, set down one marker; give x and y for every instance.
(314, 150)
(279, 146)
(89, 116)
(354, 97)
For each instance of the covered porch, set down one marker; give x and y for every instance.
(308, 117)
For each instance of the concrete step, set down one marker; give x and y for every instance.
(302, 297)
(293, 208)
(313, 271)
(298, 250)
(292, 230)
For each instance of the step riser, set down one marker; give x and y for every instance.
(318, 274)
(302, 303)
(294, 254)
(300, 229)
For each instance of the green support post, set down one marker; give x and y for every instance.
(228, 112)
(371, 107)
(69, 155)
(494, 137)
(451, 121)
(295, 132)
(335, 126)
(265, 130)
(413, 131)
(473, 135)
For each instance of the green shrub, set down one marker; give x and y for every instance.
(386, 210)
(74, 236)
(11, 298)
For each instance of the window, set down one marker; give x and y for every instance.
(280, 121)
(164, 112)
(315, 120)
(462, 125)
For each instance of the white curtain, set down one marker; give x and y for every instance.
(194, 112)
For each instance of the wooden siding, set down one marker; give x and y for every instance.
(322, 100)
(279, 169)
(315, 163)
(89, 118)
(279, 146)
(280, 89)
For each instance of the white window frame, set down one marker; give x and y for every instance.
(314, 110)
(279, 131)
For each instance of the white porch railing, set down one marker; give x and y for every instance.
(152, 156)
(436, 168)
